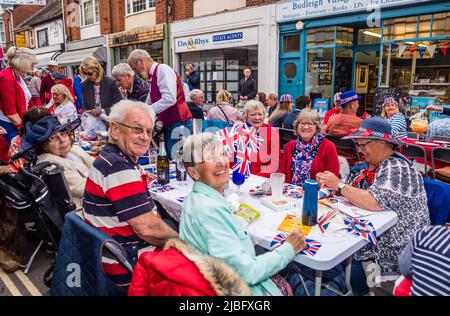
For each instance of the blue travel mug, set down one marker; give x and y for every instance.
(310, 202)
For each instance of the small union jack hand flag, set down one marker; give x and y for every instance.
(228, 136)
(311, 248)
(361, 227)
(242, 164)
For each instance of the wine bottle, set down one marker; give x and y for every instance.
(162, 163)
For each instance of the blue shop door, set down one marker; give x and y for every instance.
(289, 81)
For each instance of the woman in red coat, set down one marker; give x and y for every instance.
(267, 159)
(14, 95)
(310, 153)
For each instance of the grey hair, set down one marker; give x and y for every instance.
(119, 110)
(195, 147)
(21, 59)
(253, 105)
(308, 115)
(138, 54)
(122, 70)
(273, 96)
(196, 93)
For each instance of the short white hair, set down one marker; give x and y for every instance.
(195, 147)
(122, 70)
(138, 54)
(253, 105)
(195, 94)
(119, 110)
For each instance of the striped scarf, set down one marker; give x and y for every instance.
(303, 157)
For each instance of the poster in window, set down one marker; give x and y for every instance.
(362, 75)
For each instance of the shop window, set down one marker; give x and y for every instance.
(441, 24)
(291, 43)
(322, 36)
(290, 70)
(344, 36)
(42, 38)
(136, 6)
(343, 69)
(424, 26)
(89, 12)
(371, 36)
(400, 28)
(319, 72)
(2, 32)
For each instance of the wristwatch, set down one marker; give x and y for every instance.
(341, 185)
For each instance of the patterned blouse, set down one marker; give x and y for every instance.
(397, 186)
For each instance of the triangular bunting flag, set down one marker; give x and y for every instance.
(421, 51)
(393, 48)
(412, 49)
(443, 47)
(401, 50)
(431, 50)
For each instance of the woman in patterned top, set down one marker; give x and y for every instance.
(397, 120)
(386, 180)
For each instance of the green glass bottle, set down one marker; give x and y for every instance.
(162, 163)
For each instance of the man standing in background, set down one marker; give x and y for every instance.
(247, 87)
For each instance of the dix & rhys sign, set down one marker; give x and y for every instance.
(307, 9)
(232, 38)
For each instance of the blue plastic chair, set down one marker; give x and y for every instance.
(438, 196)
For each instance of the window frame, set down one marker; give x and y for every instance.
(2, 32)
(46, 38)
(95, 10)
(148, 7)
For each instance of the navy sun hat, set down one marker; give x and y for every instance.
(348, 96)
(375, 128)
(58, 75)
(42, 130)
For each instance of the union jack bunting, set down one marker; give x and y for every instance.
(322, 223)
(242, 164)
(311, 248)
(277, 241)
(361, 227)
(161, 188)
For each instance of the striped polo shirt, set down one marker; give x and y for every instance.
(431, 262)
(398, 125)
(116, 191)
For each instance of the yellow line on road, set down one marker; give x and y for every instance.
(9, 284)
(28, 284)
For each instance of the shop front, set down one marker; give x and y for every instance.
(221, 46)
(402, 45)
(148, 38)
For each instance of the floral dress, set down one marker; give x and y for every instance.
(396, 186)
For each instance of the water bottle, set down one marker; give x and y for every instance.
(310, 202)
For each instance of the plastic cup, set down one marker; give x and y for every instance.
(277, 184)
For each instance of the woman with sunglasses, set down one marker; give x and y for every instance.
(310, 153)
(53, 142)
(386, 180)
(100, 92)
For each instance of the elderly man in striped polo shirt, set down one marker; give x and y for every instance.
(116, 199)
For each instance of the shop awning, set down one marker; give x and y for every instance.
(77, 56)
(43, 59)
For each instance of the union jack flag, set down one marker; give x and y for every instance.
(253, 141)
(277, 241)
(323, 221)
(242, 164)
(162, 188)
(228, 136)
(361, 227)
(311, 248)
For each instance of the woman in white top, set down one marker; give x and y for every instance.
(62, 104)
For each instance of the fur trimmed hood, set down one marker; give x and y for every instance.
(223, 279)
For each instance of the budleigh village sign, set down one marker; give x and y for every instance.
(12, 2)
(306, 9)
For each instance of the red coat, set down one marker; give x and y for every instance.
(267, 160)
(171, 273)
(325, 160)
(68, 82)
(46, 85)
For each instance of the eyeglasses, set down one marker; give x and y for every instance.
(138, 130)
(306, 123)
(363, 146)
(58, 136)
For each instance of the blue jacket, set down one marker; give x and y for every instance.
(438, 200)
(78, 269)
(78, 92)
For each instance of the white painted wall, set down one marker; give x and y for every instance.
(90, 31)
(137, 20)
(205, 7)
(263, 17)
(55, 32)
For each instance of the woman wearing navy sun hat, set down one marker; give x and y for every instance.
(386, 180)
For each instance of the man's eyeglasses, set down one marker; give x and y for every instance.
(363, 146)
(138, 130)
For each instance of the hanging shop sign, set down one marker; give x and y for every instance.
(307, 9)
(225, 39)
(20, 40)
